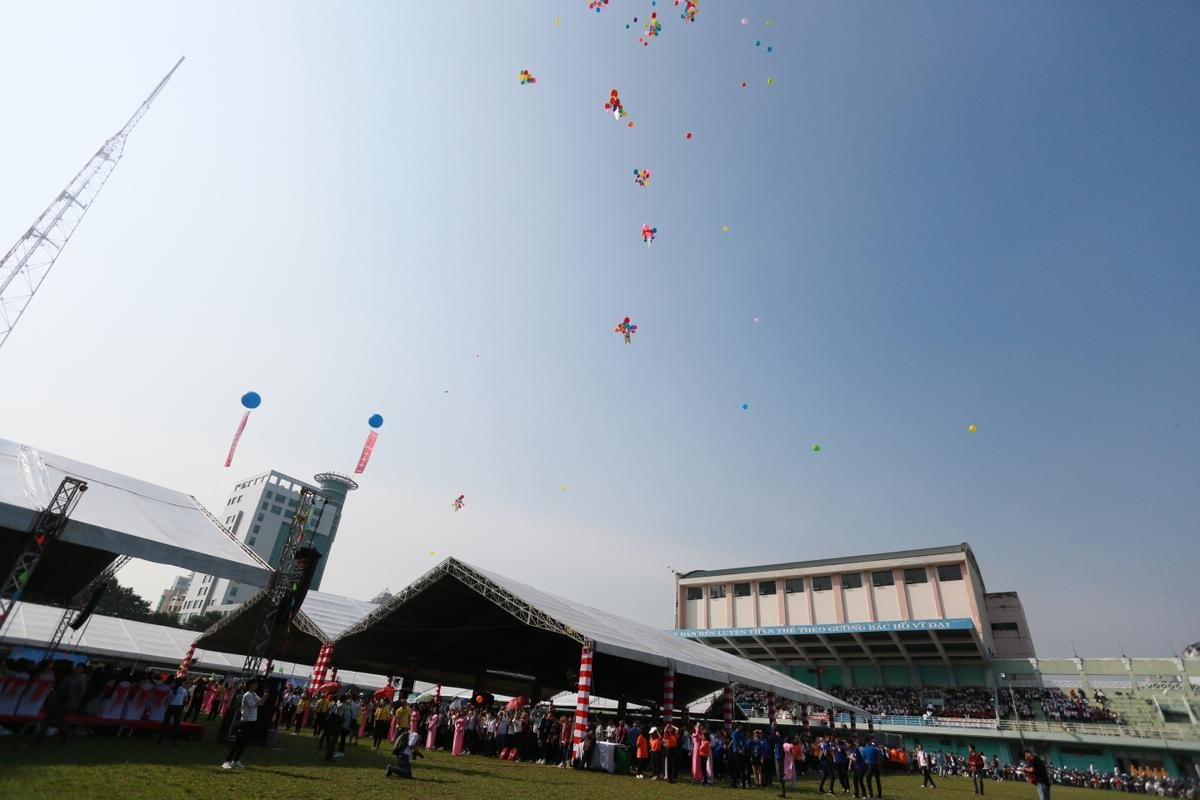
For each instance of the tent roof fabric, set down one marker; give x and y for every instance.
(117, 515)
(31, 625)
(322, 618)
(607, 634)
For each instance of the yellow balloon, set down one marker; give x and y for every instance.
(557, 20)
(725, 228)
(972, 428)
(563, 487)
(770, 81)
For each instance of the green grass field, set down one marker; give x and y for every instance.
(140, 769)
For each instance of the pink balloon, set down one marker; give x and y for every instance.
(745, 21)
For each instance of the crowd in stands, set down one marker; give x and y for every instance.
(979, 703)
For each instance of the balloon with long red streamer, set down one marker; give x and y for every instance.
(250, 401)
(376, 421)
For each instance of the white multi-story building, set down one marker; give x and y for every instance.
(907, 616)
(259, 512)
(174, 595)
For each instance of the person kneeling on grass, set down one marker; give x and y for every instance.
(406, 750)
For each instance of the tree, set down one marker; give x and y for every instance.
(201, 622)
(121, 601)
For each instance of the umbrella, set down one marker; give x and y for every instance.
(330, 687)
(515, 703)
(459, 702)
(383, 694)
(424, 697)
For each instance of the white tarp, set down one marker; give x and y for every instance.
(639, 642)
(123, 515)
(127, 641)
(334, 613)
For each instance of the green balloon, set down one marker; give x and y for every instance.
(816, 448)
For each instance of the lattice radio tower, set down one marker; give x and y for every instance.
(26, 265)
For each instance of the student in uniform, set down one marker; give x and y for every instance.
(923, 761)
(975, 768)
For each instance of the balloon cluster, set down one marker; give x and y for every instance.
(649, 234)
(614, 105)
(627, 329)
(597, 4)
(459, 502)
(689, 10)
(641, 177)
(653, 29)
(525, 76)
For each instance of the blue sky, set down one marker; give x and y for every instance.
(942, 214)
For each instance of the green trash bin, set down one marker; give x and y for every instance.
(621, 761)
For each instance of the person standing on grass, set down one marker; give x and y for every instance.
(924, 763)
(301, 709)
(671, 750)
(975, 768)
(858, 770)
(249, 708)
(873, 758)
(174, 713)
(841, 763)
(196, 699)
(825, 764)
(1036, 773)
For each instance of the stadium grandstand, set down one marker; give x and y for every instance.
(915, 638)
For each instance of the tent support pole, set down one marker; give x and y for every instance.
(584, 699)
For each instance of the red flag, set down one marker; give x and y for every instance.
(236, 436)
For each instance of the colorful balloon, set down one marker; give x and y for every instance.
(250, 401)
(649, 234)
(725, 228)
(641, 177)
(627, 328)
(972, 428)
(816, 448)
(459, 502)
(614, 105)
(689, 10)
(745, 406)
(745, 21)
(525, 76)
(375, 421)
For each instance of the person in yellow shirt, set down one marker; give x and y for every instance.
(322, 709)
(380, 722)
(301, 712)
(403, 718)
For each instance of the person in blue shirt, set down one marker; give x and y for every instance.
(841, 762)
(873, 758)
(717, 743)
(737, 758)
(825, 764)
(858, 768)
(758, 750)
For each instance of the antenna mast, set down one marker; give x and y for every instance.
(26, 265)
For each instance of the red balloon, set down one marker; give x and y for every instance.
(687, 135)
(627, 320)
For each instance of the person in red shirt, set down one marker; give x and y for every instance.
(975, 768)
(642, 753)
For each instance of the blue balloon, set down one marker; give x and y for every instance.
(745, 406)
(251, 400)
(376, 421)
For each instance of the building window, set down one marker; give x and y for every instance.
(766, 587)
(1005, 626)
(822, 583)
(259, 518)
(268, 494)
(251, 541)
(233, 592)
(293, 503)
(793, 585)
(915, 575)
(882, 578)
(741, 590)
(255, 529)
(264, 505)
(716, 591)
(949, 572)
(276, 510)
(695, 593)
(851, 580)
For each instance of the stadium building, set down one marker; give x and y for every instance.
(915, 637)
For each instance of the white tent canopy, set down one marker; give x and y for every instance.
(144, 643)
(122, 515)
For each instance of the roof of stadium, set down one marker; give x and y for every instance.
(829, 562)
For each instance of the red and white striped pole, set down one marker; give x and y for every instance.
(324, 656)
(727, 710)
(771, 708)
(186, 664)
(581, 704)
(668, 703)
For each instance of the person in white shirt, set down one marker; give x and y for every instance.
(249, 705)
(923, 761)
(174, 715)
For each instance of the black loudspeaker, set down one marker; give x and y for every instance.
(89, 607)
